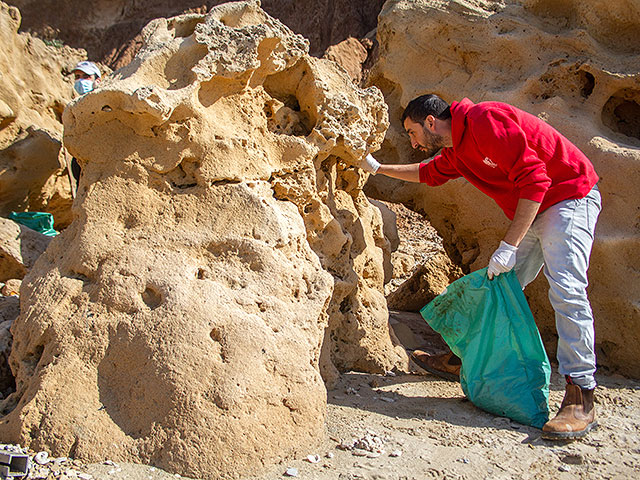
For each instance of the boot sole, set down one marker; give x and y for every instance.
(569, 435)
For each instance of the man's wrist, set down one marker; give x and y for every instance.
(508, 246)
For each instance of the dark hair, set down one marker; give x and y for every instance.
(425, 105)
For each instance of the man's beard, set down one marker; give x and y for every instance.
(434, 142)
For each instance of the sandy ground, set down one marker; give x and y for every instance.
(439, 434)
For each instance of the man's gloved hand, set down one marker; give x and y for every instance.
(369, 164)
(502, 260)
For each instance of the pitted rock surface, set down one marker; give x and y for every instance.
(574, 65)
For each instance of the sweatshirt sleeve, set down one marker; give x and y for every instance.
(501, 138)
(439, 170)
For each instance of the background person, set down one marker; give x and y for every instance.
(86, 77)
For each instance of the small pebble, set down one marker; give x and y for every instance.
(330, 455)
(41, 458)
(291, 472)
(564, 468)
(387, 399)
(84, 476)
(396, 453)
(313, 458)
(573, 459)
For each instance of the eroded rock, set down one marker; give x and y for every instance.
(574, 65)
(33, 94)
(20, 247)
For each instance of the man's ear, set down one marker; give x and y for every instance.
(430, 123)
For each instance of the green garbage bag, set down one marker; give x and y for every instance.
(488, 324)
(39, 221)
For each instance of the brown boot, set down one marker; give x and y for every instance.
(575, 418)
(446, 365)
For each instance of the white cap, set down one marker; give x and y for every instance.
(89, 68)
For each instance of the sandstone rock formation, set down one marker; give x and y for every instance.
(572, 63)
(350, 54)
(110, 30)
(427, 281)
(33, 94)
(20, 247)
(221, 250)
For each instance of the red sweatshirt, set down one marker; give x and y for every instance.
(510, 154)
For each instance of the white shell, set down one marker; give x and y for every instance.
(41, 458)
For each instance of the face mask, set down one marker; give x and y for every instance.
(83, 85)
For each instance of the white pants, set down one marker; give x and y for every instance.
(560, 239)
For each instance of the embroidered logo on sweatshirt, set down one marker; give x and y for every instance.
(490, 162)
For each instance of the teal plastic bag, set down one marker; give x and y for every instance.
(488, 324)
(39, 221)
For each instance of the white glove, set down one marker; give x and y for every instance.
(502, 260)
(369, 164)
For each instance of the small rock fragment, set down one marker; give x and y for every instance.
(396, 453)
(291, 472)
(41, 458)
(573, 459)
(564, 468)
(313, 458)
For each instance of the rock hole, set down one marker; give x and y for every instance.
(285, 118)
(345, 305)
(32, 358)
(185, 26)
(184, 176)
(152, 298)
(621, 113)
(216, 335)
(130, 221)
(588, 82)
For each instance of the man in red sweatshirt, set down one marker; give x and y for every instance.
(547, 187)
